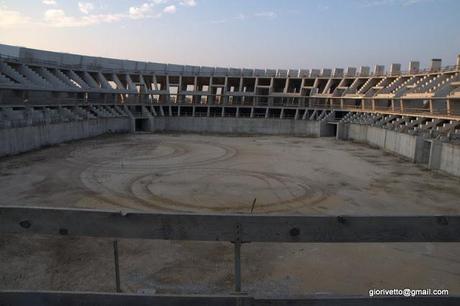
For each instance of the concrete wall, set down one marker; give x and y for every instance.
(450, 158)
(408, 146)
(435, 154)
(17, 140)
(237, 126)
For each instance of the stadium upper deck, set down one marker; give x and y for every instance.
(36, 77)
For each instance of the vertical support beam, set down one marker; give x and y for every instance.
(223, 112)
(237, 253)
(117, 266)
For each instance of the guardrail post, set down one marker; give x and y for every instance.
(237, 253)
(117, 266)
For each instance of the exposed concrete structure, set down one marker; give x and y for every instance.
(402, 112)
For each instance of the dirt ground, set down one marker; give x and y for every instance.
(196, 173)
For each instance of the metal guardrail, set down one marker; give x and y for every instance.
(234, 228)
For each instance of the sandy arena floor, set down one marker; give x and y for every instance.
(196, 173)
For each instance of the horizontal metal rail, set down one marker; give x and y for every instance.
(244, 228)
(49, 298)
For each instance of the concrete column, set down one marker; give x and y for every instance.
(266, 113)
(379, 69)
(252, 112)
(193, 111)
(395, 69)
(342, 131)
(419, 146)
(458, 62)
(132, 127)
(208, 114)
(414, 67)
(435, 155)
(282, 113)
(237, 112)
(223, 112)
(436, 64)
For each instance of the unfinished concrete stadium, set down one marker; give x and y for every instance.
(327, 183)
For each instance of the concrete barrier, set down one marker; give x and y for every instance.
(238, 126)
(23, 139)
(404, 145)
(435, 154)
(450, 159)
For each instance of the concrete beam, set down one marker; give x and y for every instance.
(254, 228)
(49, 298)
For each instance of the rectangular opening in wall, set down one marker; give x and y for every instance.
(142, 125)
(245, 112)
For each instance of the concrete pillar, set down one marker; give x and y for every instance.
(435, 155)
(458, 62)
(395, 69)
(351, 71)
(223, 112)
(342, 131)
(414, 67)
(379, 70)
(132, 127)
(436, 64)
(364, 71)
(419, 150)
(237, 112)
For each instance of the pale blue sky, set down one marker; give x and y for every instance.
(240, 33)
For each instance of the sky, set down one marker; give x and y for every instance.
(278, 34)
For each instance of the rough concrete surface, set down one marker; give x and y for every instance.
(194, 173)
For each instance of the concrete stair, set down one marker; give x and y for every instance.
(12, 73)
(64, 78)
(51, 78)
(35, 77)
